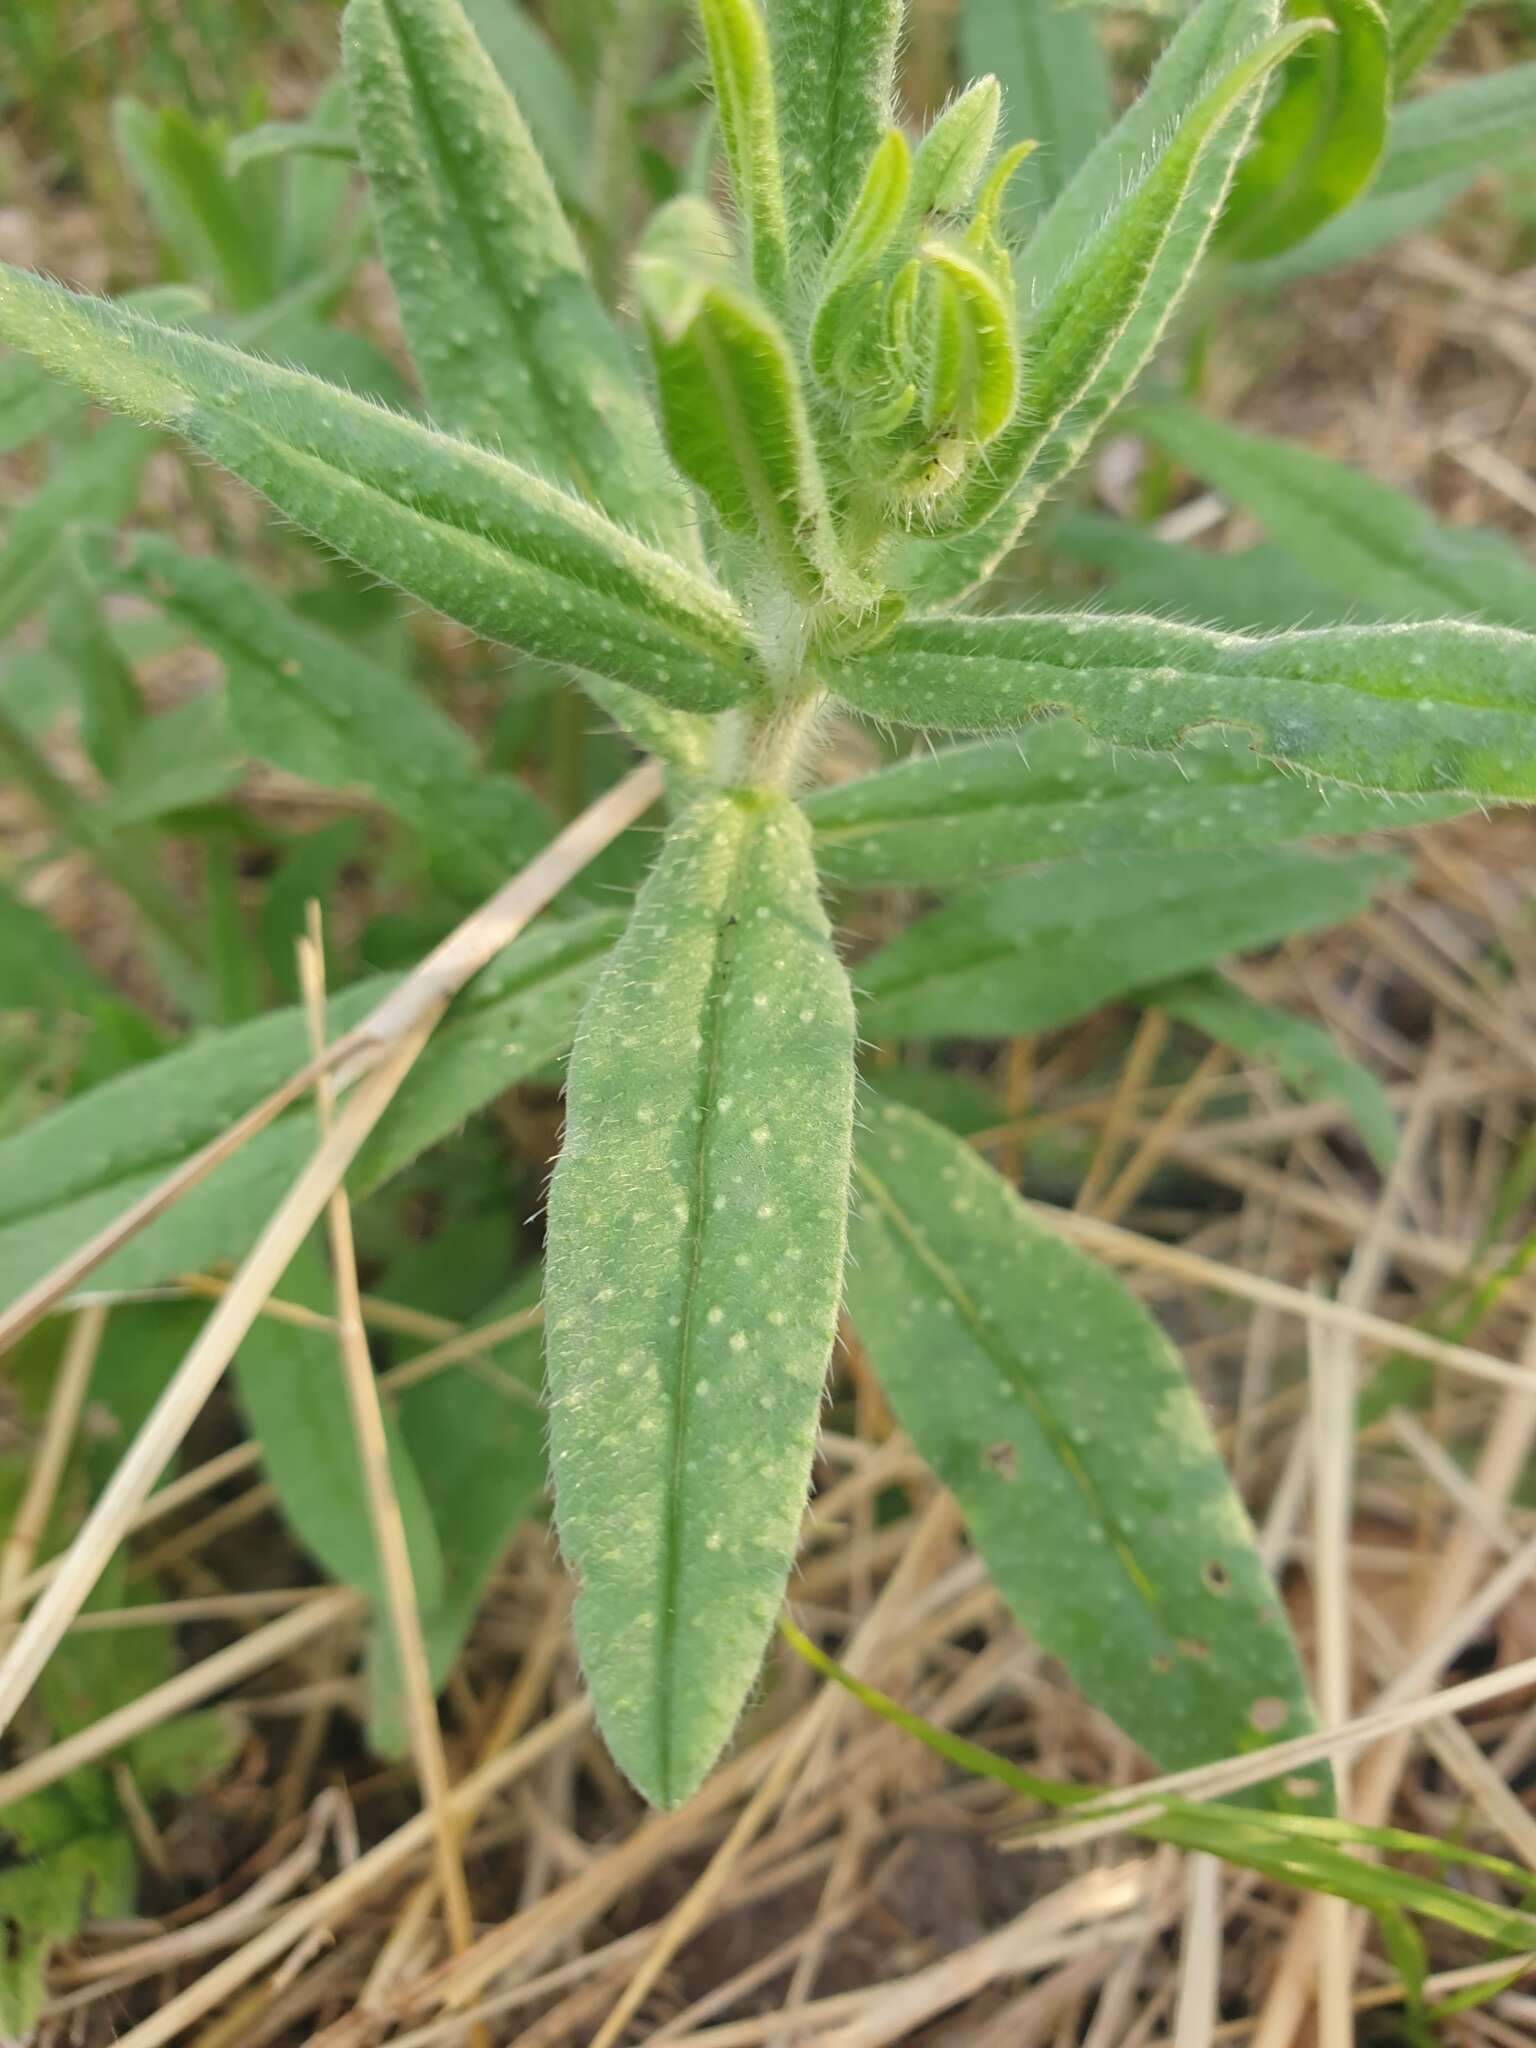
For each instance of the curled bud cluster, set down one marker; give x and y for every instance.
(914, 333)
(827, 407)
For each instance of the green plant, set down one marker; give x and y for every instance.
(865, 388)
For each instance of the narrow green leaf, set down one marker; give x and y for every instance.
(743, 78)
(731, 403)
(1303, 1053)
(68, 1174)
(1055, 84)
(854, 258)
(1036, 951)
(183, 757)
(488, 543)
(549, 98)
(1318, 145)
(1249, 590)
(97, 479)
(516, 1018)
(1423, 710)
(1436, 146)
(476, 1436)
(303, 700)
(512, 344)
(696, 1223)
(1074, 1446)
(1418, 29)
(834, 68)
(217, 239)
(967, 812)
(1353, 532)
(32, 404)
(1089, 336)
(111, 709)
(290, 1386)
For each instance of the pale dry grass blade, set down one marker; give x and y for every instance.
(1199, 1956)
(381, 1050)
(47, 1466)
(1332, 1378)
(195, 1378)
(1129, 1247)
(811, 1728)
(406, 1642)
(188, 1688)
(45, 1294)
(357, 1882)
(438, 978)
(1094, 1913)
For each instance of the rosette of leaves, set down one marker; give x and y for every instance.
(860, 390)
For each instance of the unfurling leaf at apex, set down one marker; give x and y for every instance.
(953, 153)
(731, 403)
(695, 1248)
(743, 75)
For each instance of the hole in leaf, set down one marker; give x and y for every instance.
(1002, 1459)
(1268, 1716)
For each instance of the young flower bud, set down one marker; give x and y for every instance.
(972, 380)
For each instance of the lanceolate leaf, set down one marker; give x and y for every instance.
(512, 344)
(694, 1257)
(1036, 951)
(488, 543)
(1353, 532)
(67, 1175)
(966, 812)
(1418, 709)
(1063, 1425)
(1055, 83)
(1302, 1052)
(834, 65)
(302, 699)
(1318, 145)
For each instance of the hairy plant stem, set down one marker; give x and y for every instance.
(778, 742)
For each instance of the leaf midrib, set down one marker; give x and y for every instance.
(1013, 1370)
(1258, 678)
(705, 1092)
(546, 403)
